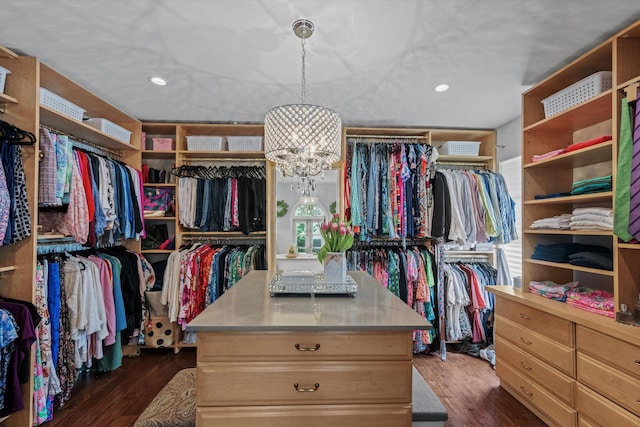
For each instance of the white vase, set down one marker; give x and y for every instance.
(335, 267)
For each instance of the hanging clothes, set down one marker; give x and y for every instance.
(87, 196)
(242, 190)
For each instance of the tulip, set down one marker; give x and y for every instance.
(324, 226)
(334, 226)
(343, 230)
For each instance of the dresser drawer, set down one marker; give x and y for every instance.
(557, 412)
(304, 345)
(554, 353)
(612, 351)
(550, 378)
(551, 326)
(283, 383)
(584, 421)
(602, 411)
(610, 382)
(379, 415)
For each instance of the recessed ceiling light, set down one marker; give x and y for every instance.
(158, 80)
(441, 87)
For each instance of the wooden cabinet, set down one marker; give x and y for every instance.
(601, 357)
(22, 108)
(334, 375)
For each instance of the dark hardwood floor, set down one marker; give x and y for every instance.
(467, 386)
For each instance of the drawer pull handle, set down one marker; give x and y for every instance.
(524, 316)
(637, 362)
(525, 341)
(525, 366)
(525, 391)
(306, 389)
(317, 347)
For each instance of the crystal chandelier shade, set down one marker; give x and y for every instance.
(302, 139)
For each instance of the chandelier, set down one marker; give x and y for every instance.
(302, 139)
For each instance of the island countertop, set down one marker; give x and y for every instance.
(248, 306)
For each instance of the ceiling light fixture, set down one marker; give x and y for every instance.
(441, 87)
(158, 80)
(302, 139)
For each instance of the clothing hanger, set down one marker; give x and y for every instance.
(11, 134)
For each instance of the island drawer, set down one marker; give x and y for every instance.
(304, 345)
(379, 415)
(284, 383)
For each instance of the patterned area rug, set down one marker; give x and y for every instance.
(175, 404)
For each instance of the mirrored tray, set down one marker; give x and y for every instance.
(309, 283)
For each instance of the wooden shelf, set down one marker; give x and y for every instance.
(159, 185)
(221, 155)
(586, 156)
(159, 154)
(568, 266)
(595, 110)
(570, 232)
(7, 53)
(65, 124)
(159, 218)
(446, 158)
(582, 198)
(7, 268)
(632, 246)
(6, 98)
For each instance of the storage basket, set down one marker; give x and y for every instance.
(205, 143)
(111, 129)
(3, 78)
(245, 143)
(577, 93)
(160, 144)
(460, 148)
(61, 105)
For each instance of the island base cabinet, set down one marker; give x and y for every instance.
(376, 415)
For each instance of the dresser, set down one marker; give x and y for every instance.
(569, 367)
(305, 360)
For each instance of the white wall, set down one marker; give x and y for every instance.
(509, 137)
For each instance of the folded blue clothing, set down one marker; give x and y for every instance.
(602, 261)
(560, 252)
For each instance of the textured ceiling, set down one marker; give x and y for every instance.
(373, 61)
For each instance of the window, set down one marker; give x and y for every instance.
(511, 171)
(306, 220)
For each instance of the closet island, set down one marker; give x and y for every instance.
(321, 360)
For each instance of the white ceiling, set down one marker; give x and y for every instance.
(373, 61)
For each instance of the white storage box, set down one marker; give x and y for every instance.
(205, 143)
(111, 129)
(3, 78)
(577, 93)
(61, 105)
(460, 148)
(244, 143)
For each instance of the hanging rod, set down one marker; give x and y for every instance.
(92, 145)
(461, 165)
(387, 136)
(249, 240)
(224, 162)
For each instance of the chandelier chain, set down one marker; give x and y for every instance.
(304, 80)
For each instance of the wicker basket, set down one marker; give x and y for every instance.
(205, 143)
(244, 143)
(577, 93)
(460, 148)
(3, 78)
(111, 129)
(61, 105)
